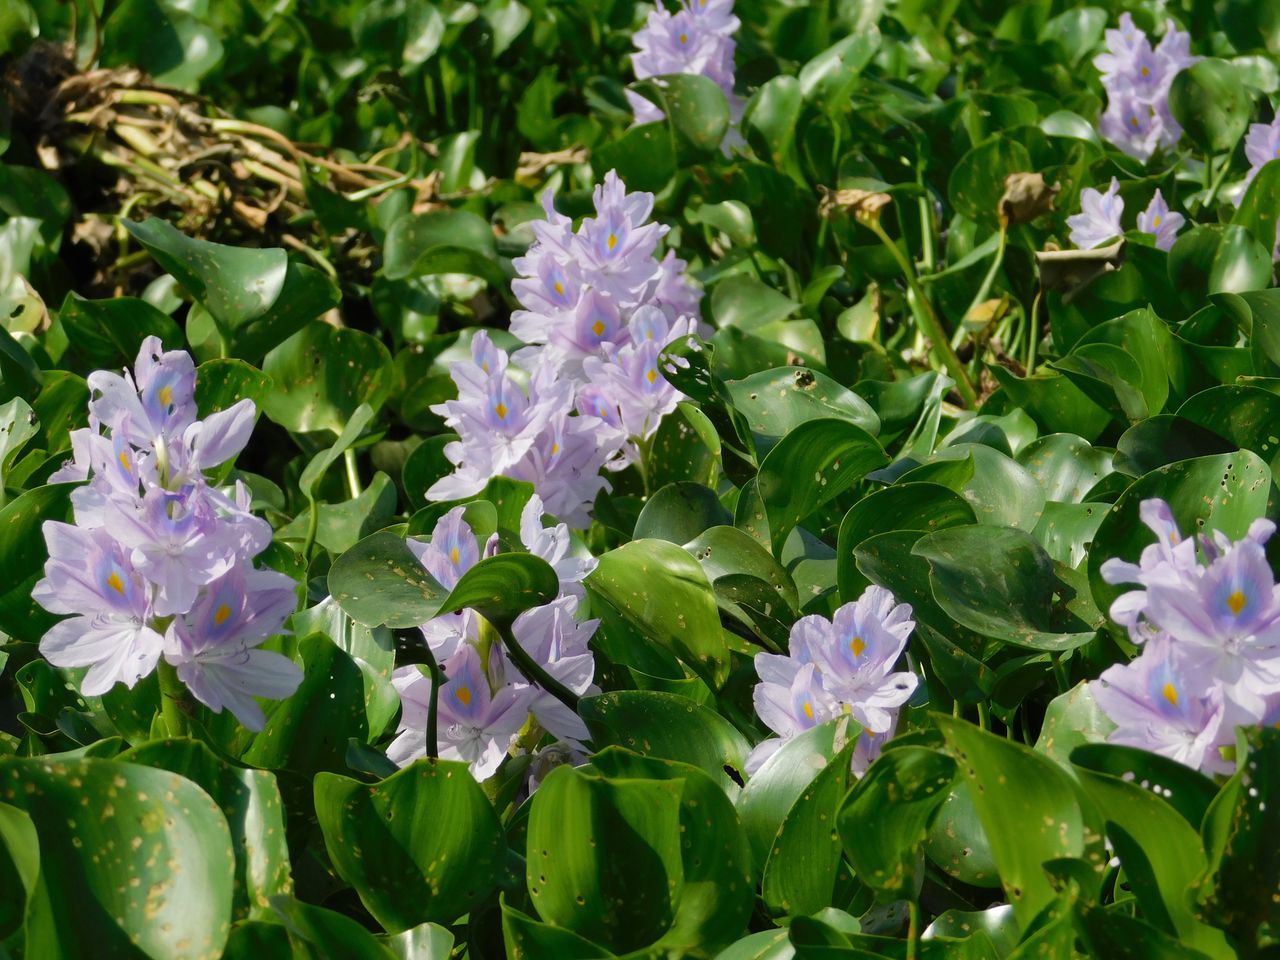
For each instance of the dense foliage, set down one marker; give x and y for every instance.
(586, 479)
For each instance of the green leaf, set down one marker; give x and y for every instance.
(1239, 831)
(319, 934)
(694, 105)
(661, 591)
(442, 241)
(426, 941)
(19, 866)
(223, 383)
(1217, 258)
(1211, 104)
(1161, 855)
(109, 332)
(309, 731)
(679, 512)
(717, 896)
(1030, 810)
(827, 80)
(526, 937)
(1072, 719)
(726, 551)
(323, 374)
(422, 845)
(1259, 210)
(906, 506)
(1000, 582)
(171, 45)
(976, 183)
(236, 284)
(148, 865)
(743, 301)
(380, 582)
(604, 856)
(957, 842)
(886, 816)
(1067, 467)
(644, 157)
(251, 804)
(670, 727)
(773, 790)
(769, 122)
(777, 401)
(803, 864)
(1186, 790)
(818, 460)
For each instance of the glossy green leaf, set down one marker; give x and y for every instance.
(1211, 104)
(679, 512)
(250, 801)
(662, 592)
(111, 331)
(818, 460)
(148, 865)
(1013, 785)
(322, 375)
(999, 582)
(777, 401)
(422, 845)
(670, 727)
(886, 816)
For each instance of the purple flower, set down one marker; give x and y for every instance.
(89, 575)
(157, 406)
(697, 39)
(213, 646)
(557, 641)
(1211, 658)
(1261, 146)
(1137, 79)
(159, 560)
(474, 724)
(1160, 222)
(452, 550)
(842, 665)
(553, 544)
(1163, 703)
(1099, 219)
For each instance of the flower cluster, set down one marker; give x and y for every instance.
(1137, 79)
(841, 665)
(696, 39)
(486, 707)
(598, 309)
(1099, 219)
(1210, 636)
(159, 562)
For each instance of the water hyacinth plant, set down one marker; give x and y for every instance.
(704, 479)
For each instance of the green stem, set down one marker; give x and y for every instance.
(929, 320)
(1034, 333)
(313, 527)
(353, 475)
(433, 706)
(174, 699)
(984, 718)
(985, 288)
(913, 929)
(1060, 672)
(1211, 188)
(533, 671)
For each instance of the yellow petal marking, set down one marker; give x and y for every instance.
(651, 376)
(1170, 693)
(612, 241)
(559, 288)
(857, 645)
(166, 396)
(221, 614)
(598, 328)
(1237, 602)
(1155, 221)
(808, 709)
(124, 460)
(501, 410)
(115, 583)
(464, 695)
(455, 556)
